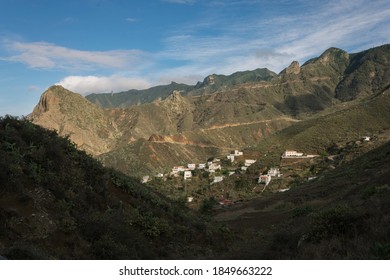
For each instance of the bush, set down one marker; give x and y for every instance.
(336, 221)
(207, 205)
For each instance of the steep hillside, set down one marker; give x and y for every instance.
(216, 82)
(58, 203)
(343, 123)
(71, 114)
(210, 84)
(343, 214)
(367, 74)
(136, 97)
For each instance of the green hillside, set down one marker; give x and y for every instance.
(368, 73)
(58, 203)
(134, 97)
(210, 84)
(346, 122)
(343, 214)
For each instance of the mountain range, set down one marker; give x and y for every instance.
(142, 132)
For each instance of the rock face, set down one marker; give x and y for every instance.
(70, 114)
(294, 68)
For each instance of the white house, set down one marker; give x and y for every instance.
(274, 172)
(218, 179)
(214, 167)
(264, 179)
(191, 166)
(201, 165)
(249, 162)
(145, 179)
(187, 174)
(176, 169)
(291, 154)
(159, 175)
(236, 153)
(244, 168)
(230, 157)
(366, 138)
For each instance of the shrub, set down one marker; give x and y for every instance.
(207, 205)
(336, 221)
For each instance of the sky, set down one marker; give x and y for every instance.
(94, 46)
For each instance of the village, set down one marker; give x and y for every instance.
(239, 176)
(208, 175)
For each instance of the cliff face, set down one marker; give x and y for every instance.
(87, 125)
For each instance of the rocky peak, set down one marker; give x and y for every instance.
(210, 80)
(294, 68)
(332, 55)
(175, 96)
(53, 98)
(70, 114)
(175, 99)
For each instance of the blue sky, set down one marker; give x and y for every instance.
(115, 45)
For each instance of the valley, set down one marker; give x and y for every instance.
(276, 166)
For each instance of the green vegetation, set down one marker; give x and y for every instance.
(58, 203)
(343, 215)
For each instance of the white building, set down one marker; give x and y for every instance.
(218, 179)
(266, 179)
(274, 172)
(176, 169)
(201, 165)
(191, 166)
(159, 175)
(187, 175)
(236, 153)
(230, 157)
(249, 162)
(145, 179)
(214, 167)
(291, 154)
(244, 168)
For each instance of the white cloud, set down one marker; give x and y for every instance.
(98, 84)
(50, 56)
(337, 25)
(130, 19)
(244, 43)
(180, 1)
(34, 88)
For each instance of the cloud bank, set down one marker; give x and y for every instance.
(99, 84)
(45, 55)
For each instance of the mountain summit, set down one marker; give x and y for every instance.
(72, 115)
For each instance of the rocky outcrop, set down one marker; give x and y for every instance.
(294, 68)
(70, 114)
